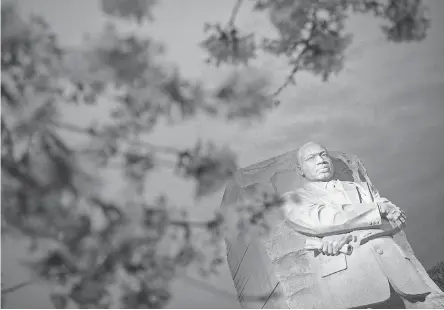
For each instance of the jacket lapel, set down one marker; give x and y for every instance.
(317, 192)
(352, 191)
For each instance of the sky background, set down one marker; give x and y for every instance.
(386, 106)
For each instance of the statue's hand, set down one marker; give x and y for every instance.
(392, 213)
(332, 244)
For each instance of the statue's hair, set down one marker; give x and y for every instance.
(298, 153)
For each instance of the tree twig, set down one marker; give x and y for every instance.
(306, 45)
(290, 76)
(234, 13)
(81, 130)
(184, 223)
(16, 287)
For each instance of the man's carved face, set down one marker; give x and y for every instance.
(316, 164)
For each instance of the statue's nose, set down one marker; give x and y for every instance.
(319, 159)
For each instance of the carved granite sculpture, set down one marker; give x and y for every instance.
(278, 264)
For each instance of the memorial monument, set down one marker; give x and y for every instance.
(280, 269)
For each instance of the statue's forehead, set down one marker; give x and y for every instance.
(312, 149)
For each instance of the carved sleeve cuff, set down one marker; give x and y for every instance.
(370, 213)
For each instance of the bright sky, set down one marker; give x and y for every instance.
(386, 106)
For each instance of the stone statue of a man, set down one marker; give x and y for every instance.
(333, 213)
(335, 243)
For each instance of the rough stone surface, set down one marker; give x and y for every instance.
(277, 264)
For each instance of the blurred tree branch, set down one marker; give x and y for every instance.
(96, 133)
(311, 33)
(234, 13)
(16, 287)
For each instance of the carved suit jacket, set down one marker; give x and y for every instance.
(362, 278)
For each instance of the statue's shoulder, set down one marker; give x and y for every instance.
(297, 196)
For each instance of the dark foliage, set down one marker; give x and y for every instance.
(437, 274)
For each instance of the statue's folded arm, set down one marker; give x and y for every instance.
(320, 220)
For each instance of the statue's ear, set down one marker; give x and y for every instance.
(299, 170)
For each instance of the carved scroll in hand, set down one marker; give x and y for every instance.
(316, 245)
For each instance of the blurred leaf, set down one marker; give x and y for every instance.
(88, 292)
(145, 298)
(183, 94)
(245, 95)
(53, 266)
(125, 58)
(186, 255)
(408, 21)
(138, 10)
(155, 221)
(210, 167)
(227, 46)
(59, 301)
(136, 167)
(31, 59)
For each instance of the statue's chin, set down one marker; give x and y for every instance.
(320, 178)
(325, 177)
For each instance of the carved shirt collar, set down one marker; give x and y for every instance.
(324, 185)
